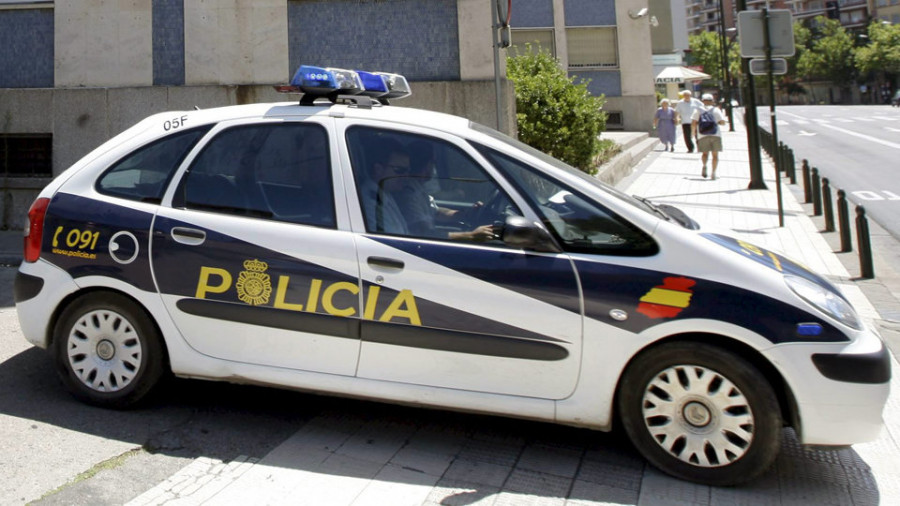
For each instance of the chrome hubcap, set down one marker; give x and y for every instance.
(104, 350)
(698, 416)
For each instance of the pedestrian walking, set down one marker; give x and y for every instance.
(685, 110)
(664, 123)
(705, 125)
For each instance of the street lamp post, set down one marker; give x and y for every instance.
(725, 45)
(748, 98)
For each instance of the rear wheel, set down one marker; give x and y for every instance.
(108, 351)
(700, 413)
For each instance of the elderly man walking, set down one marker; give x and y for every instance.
(685, 110)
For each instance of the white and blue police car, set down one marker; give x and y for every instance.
(344, 246)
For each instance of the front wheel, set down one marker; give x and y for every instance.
(108, 351)
(700, 413)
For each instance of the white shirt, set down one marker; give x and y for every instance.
(686, 109)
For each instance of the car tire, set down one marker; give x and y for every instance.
(108, 350)
(700, 413)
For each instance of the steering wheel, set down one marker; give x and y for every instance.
(490, 211)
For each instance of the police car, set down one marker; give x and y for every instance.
(341, 245)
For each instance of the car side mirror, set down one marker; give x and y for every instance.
(519, 232)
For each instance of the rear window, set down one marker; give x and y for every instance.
(144, 173)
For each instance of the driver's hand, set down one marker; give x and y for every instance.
(483, 233)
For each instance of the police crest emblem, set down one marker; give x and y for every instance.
(254, 286)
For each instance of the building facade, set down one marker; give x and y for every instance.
(75, 73)
(600, 42)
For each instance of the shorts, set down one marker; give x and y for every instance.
(709, 143)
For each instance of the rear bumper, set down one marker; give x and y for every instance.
(39, 289)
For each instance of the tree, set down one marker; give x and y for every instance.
(790, 82)
(881, 55)
(706, 51)
(554, 114)
(829, 55)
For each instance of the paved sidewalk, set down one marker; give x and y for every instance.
(438, 458)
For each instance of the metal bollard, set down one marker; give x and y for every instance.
(817, 195)
(866, 265)
(791, 166)
(807, 191)
(844, 221)
(826, 205)
(782, 156)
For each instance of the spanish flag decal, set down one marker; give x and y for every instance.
(667, 299)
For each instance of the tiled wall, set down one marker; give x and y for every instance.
(26, 48)
(531, 14)
(601, 82)
(590, 12)
(419, 39)
(168, 42)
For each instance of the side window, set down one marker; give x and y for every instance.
(420, 186)
(143, 174)
(578, 222)
(278, 171)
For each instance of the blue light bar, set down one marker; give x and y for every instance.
(331, 82)
(317, 80)
(375, 84)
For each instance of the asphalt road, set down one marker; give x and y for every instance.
(855, 147)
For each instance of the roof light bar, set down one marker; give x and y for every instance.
(329, 82)
(397, 85)
(375, 84)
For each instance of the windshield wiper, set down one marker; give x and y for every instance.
(652, 207)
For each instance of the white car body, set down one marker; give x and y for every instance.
(473, 326)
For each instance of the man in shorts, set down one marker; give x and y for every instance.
(705, 124)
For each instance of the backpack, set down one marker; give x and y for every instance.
(707, 124)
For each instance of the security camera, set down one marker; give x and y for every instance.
(639, 14)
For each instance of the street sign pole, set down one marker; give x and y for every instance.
(775, 157)
(751, 119)
(495, 30)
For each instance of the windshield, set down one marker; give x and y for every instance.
(641, 204)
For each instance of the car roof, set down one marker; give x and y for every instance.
(374, 111)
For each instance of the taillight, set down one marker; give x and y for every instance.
(35, 229)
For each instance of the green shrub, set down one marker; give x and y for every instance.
(554, 114)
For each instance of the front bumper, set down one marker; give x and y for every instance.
(840, 389)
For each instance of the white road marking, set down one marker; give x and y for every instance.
(862, 136)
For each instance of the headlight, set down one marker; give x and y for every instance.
(824, 300)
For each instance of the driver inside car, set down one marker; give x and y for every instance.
(422, 214)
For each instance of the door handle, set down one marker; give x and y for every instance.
(385, 263)
(188, 236)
